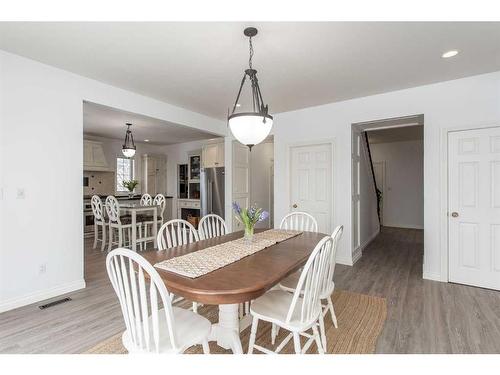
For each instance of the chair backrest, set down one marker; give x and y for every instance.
(146, 200)
(299, 221)
(126, 270)
(176, 232)
(97, 208)
(306, 301)
(161, 201)
(113, 209)
(211, 226)
(328, 284)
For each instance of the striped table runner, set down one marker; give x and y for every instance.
(212, 258)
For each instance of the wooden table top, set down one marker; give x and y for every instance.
(243, 280)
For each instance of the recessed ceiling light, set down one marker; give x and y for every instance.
(238, 105)
(146, 140)
(448, 54)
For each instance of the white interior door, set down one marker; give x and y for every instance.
(379, 170)
(474, 207)
(311, 183)
(241, 180)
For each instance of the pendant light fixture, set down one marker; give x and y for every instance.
(252, 127)
(128, 148)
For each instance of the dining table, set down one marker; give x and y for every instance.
(134, 208)
(237, 283)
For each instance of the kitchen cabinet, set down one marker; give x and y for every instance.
(194, 167)
(154, 174)
(93, 156)
(213, 155)
(189, 209)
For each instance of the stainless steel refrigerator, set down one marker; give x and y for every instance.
(212, 191)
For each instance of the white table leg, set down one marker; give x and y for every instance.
(227, 331)
(134, 231)
(155, 226)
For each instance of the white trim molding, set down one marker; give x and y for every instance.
(405, 226)
(41, 295)
(358, 252)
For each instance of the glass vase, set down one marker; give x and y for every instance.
(249, 233)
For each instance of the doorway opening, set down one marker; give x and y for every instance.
(161, 147)
(387, 178)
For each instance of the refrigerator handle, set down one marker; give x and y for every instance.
(210, 197)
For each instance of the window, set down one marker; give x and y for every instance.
(124, 172)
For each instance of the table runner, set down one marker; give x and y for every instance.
(212, 258)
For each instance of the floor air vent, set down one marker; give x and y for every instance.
(53, 303)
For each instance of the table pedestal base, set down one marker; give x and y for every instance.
(227, 331)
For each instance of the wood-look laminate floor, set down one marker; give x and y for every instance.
(423, 316)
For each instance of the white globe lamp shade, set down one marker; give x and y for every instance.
(128, 152)
(249, 128)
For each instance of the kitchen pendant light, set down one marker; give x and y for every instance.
(128, 148)
(250, 128)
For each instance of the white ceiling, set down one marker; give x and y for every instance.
(199, 65)
(398, 134)
(109, 122)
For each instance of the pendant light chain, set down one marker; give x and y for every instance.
(251, 53)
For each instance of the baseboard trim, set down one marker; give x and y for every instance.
(404, 226)
(344, 261)
(432, 276)
(358, 252)
(41, 295)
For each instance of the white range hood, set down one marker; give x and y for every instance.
(94, 158)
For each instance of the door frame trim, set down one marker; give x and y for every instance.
(444, 197)
(326, 141)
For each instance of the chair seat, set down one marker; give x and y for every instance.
(273, 307)
(190, 328)
(150, 218)
(290, 283)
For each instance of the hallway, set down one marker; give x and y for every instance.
(423, 316)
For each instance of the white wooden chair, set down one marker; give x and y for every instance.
(122, 224)
(148, 222)
(299, 221)
(290, 284)
(146, 200)
(174, 233)
(99, 220)
(211, 226)
(297, 312)
(150, 329)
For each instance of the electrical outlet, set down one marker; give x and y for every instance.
(42, 269)
(20, 193)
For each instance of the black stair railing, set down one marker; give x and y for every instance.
(378, 193)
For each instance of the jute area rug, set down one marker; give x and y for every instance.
(360, 319)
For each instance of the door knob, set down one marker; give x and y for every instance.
(454, 214)
(294, 205)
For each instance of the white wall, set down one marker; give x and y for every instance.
(404, 182)
(465, 102)
(261, 160)
(41, 151)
